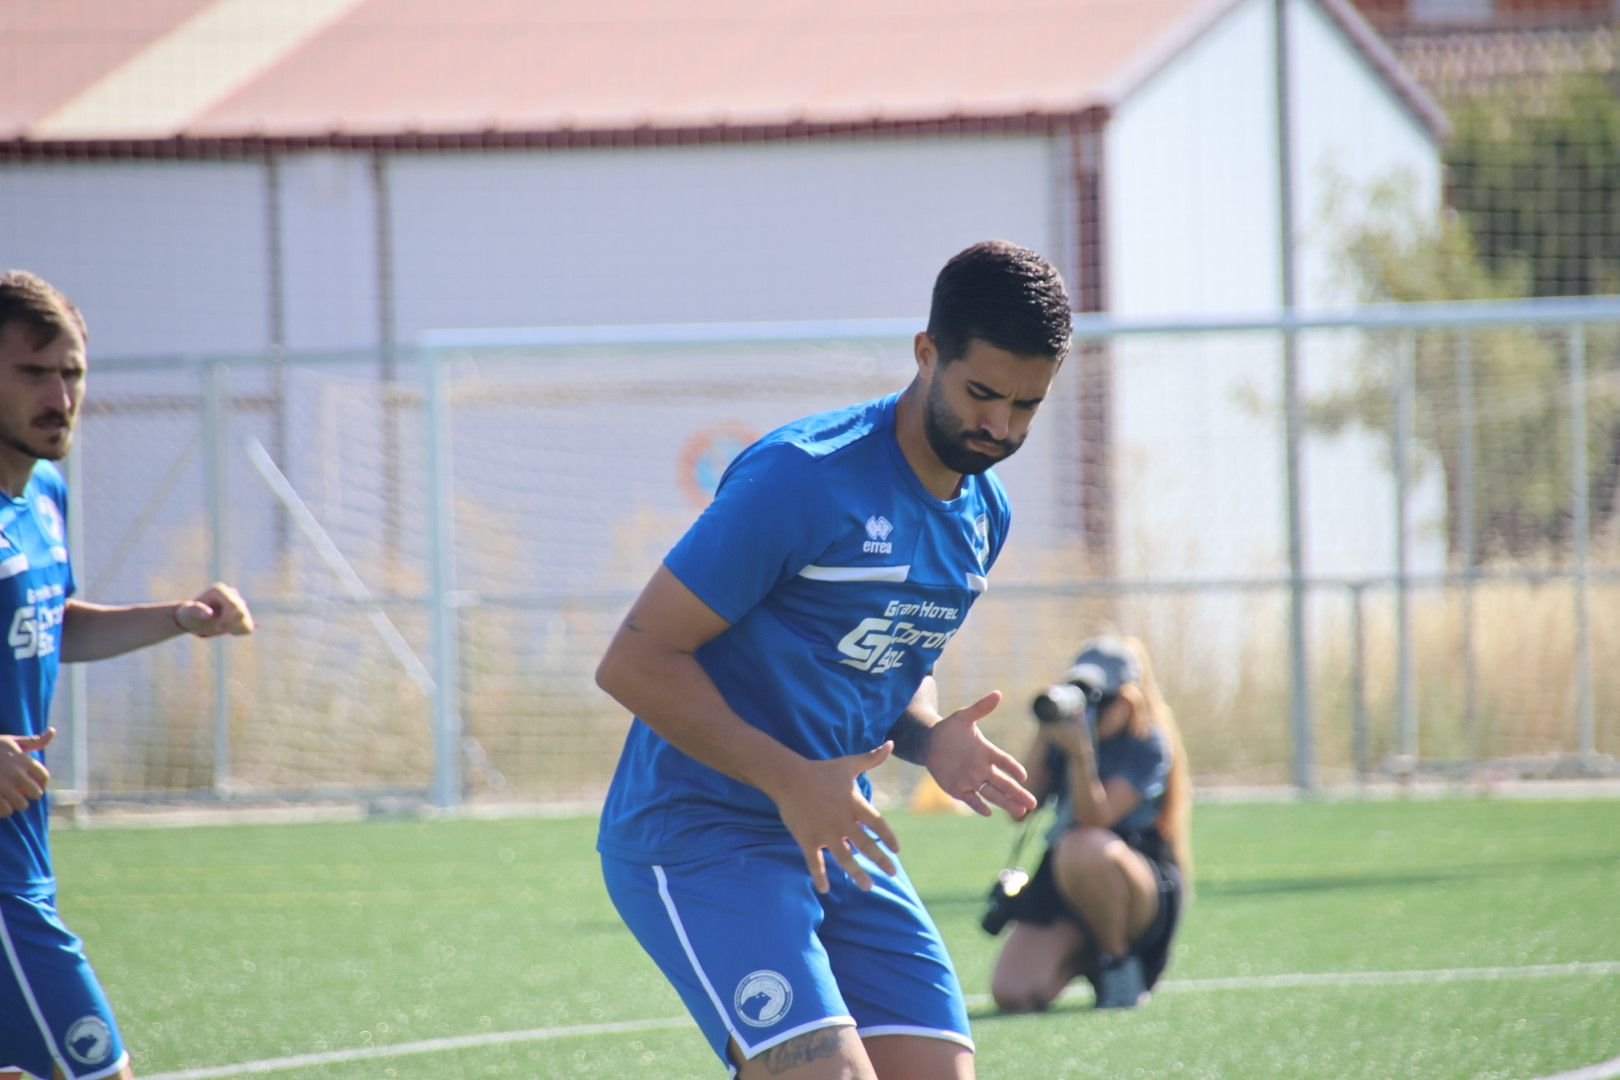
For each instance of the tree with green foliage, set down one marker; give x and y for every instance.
(1395, 252)
(1537, 180)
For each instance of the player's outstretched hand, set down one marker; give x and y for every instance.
(22, 776)
(974, 769)
(218, 609)
(825, 811)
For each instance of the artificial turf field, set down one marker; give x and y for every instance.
(1436, 939)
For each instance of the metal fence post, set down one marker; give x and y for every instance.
(1358, 682)
(1467, 540)
(78, 675)
(1580, 528)
(216, 418)
(1405, 704)
(442, 584)
(1300, 721)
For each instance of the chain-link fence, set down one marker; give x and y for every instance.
(1396, 560)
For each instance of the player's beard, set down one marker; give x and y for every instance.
(40, 448)
(948, 437)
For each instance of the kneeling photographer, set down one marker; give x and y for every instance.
(1105, 899)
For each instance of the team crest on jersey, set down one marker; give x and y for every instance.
(878, 529)
(50, 518)
(981, 538)
(762, 998)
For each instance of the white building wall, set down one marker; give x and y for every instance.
(163, 257)
(737, 232)
(329, 250)
(174, 256)
(829, 229)
(1193, 229)
(1352, 133)
(1191, 180)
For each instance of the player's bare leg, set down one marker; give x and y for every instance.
(832, 1053)
(916, 1057)
(1036, 964)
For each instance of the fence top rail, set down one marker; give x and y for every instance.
(1460, 315)
(1454, 315)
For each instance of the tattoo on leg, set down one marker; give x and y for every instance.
(811, 1046)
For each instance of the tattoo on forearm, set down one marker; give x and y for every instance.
(911, 738)
(812, 1046)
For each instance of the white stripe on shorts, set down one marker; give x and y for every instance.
(28, 996)
(691, 957)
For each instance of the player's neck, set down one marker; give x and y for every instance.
(941, 482)
(15, 469)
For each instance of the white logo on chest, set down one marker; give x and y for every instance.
(878, 529)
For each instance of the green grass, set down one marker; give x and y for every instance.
(224, 945)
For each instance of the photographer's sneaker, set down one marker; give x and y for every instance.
(1119, 983)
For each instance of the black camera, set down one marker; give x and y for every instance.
(1059, 702)
(1005, 899)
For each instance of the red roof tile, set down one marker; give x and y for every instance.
(50, 50)
(485, 68)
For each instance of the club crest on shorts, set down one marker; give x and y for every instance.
(89, 1040)
(762, 998)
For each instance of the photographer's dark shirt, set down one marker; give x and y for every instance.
(1144, 763)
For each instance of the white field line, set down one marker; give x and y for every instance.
(1603, 1071)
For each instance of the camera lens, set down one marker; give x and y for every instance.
(1058, 702)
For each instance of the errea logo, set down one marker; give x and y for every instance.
(878, 529)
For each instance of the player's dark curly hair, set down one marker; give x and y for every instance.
(1003, 295)
(38, 305)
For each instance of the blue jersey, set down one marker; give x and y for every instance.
(842, 578)
(36, 580)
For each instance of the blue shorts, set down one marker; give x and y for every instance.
(55, 1013)
(760, 957)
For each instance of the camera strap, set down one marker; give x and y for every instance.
(1021, 838)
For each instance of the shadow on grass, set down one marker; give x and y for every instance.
(1077, 1005)
(1240, 887)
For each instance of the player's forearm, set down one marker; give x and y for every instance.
(95, 632)
(913, 731)
(674, 696)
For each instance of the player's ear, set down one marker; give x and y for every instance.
(926, 353)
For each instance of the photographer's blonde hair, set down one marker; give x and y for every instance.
(1149, 709)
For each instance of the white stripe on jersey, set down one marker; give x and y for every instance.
(855, 573)
(978, 582)
(13, 566)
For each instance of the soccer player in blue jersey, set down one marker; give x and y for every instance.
(786, 647)
(54, 1017)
